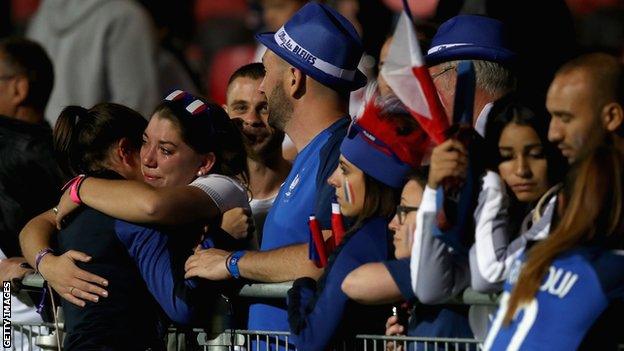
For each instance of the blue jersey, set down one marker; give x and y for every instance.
(304, 192)
(325, 316)
(578, 287)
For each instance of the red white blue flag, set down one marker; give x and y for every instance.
(405, 72)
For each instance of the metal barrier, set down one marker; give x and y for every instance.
(46, 336)
(279, 290)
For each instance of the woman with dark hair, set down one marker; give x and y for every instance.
(520, 164)
(559, 289)
(509, 216)
(141, 265)
(189, 167)
(376, 157)
(389, 281)
(190, 153)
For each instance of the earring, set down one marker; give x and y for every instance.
(200, 173)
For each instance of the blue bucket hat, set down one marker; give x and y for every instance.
(322, 44)
(470, 37)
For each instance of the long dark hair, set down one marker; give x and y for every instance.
(592, 208)
(83, 137)
(210, 131)
(509, 110)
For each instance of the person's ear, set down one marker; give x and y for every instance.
(296, 82)
(612, 116)
(19, 90)
(226, 109)
(207, 163)
(126, 152)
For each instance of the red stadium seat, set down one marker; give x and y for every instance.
(224, 63)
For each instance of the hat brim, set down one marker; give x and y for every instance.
(498, 55)
(268, 40)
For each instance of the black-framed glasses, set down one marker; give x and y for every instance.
(403, 211)
(444, 70)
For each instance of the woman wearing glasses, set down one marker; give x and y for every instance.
(389, 281)
(375, 283)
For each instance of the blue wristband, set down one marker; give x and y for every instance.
(233, 263)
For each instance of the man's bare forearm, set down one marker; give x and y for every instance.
(278, 265)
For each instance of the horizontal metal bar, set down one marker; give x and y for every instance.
(264, 291)
(280, 290)
(34, 280)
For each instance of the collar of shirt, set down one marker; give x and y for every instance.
(482, 119)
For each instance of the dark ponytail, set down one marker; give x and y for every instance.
(65, 131)
(83, 138)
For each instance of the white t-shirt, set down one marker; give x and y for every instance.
(227, 193)
(260, 209)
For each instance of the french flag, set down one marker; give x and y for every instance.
(406, 73)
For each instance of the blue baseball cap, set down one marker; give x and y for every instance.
(470, 37)
(322, 44)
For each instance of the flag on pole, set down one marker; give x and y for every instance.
(405, 72)
(337, 224)
(317, 251)
(455, 197)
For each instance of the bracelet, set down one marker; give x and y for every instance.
(227, 263)
(74, 188)
(232, 263)
(40, 256)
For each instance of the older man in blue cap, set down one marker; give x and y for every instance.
(481, 40)
(311, 66)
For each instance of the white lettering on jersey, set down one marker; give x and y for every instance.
(559, 282)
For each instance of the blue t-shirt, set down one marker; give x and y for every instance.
(578, 287)
(450, 321)
(304, 192)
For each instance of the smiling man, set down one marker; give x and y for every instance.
(308, 100)
(267, 167)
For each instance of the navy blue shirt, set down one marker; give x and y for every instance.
(304, 192)
(318, 319)
(145, 272)
(450, 321)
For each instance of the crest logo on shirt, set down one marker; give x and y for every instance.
(292, 186)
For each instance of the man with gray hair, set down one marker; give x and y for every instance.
(437, 273)
(481, 40)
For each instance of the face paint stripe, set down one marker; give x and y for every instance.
(348, 191)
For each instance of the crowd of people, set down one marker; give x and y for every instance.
(379, 224)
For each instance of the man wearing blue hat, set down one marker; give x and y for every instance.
(311, 66)
(482, 41)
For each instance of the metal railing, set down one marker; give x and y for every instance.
(46, 336)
